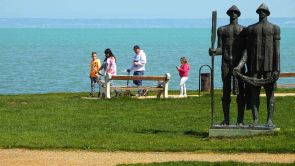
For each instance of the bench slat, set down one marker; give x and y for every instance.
(287, 75)
(286, 85)
(151, 78)
(136, 88)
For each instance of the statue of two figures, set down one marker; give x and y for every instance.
(250, 60)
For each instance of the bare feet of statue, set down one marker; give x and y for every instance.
(255, 123)
(224, 123)
(240, 124)
(270, 124)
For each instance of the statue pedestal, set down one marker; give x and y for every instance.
(246, 130)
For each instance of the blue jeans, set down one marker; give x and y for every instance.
(93, 81)
(138, 82)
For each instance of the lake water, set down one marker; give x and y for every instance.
(39, 60)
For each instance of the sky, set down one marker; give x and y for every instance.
(147, 9)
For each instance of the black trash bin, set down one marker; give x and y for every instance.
(205, 82)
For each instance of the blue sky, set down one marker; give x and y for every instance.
(138, 8)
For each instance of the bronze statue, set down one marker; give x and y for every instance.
(231, 45)
(263, 63)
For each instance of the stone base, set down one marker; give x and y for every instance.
(233, 130)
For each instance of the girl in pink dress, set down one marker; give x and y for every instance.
(183, 73)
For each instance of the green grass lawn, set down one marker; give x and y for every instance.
(65, 121)
(208, 164)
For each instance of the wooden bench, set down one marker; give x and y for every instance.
(162, 88)
(286, 75)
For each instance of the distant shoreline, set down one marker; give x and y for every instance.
(130, 23)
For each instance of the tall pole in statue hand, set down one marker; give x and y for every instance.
(213, 39)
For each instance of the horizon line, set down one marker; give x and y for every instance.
(168, 18)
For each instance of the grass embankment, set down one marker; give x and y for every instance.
(65, 121)
(208, 164)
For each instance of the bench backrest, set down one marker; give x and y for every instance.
(132, 77)
(282, 75)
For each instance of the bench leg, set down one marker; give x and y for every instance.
(165, 94)
(108, 90)
(108, 86)
(102, 89)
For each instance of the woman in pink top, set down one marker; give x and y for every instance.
(183, 73)
(109, 65)
(111, 62)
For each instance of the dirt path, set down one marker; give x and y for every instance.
(36, 157)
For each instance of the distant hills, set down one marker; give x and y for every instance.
(129, 23)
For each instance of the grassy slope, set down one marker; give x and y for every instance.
(67, 121)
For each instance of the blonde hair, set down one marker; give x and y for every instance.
(183, 59)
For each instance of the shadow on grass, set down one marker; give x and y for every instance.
(151, 131)
(197, 134)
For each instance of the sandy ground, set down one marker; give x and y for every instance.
(11, 157)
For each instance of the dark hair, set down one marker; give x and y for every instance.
(110, 53)
(93, 53)
(136, 47)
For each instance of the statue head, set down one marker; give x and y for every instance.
(263, 11)
(233, 12)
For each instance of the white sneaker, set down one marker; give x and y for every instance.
(181, 96)
(185, 95)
